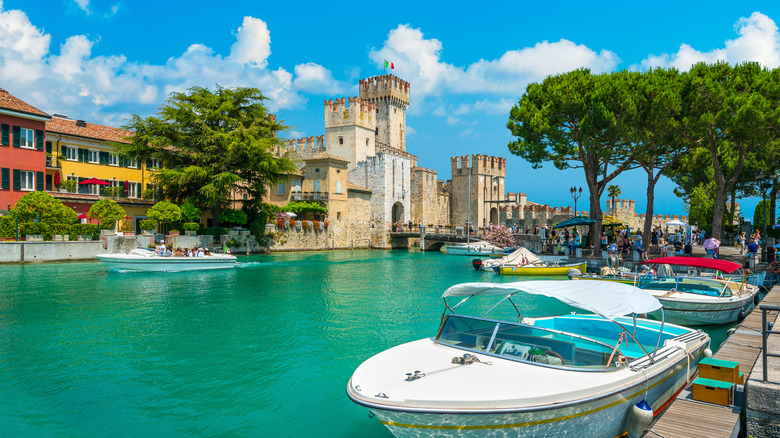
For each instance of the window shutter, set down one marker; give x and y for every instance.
(17, 136)
(39, 139)
(121, 161)
(48, 147)
(64, 150)
(5, 178)
(5, 137)
(39, 181)
(83, 189)
(82, 155)
(103, 157)
(17, 179)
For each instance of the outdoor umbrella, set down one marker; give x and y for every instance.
(711, 243)
(579, 220)
(609, 221)
(776, 226)
(83, 216)
(291, 214)
(56, 177)
(127, 187)
(97, 181)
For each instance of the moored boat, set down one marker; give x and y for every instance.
(473, 249)
(540, 377)
(541, 270)
(142, 260)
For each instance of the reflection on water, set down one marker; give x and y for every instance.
(267, 347)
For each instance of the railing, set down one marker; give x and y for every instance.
(765, 332)
(310, 196)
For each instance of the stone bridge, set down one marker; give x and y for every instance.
(433, 241)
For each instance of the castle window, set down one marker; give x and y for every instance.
(341, 140)
(280, 189)
(316, 170)
(366, 142)
(338, 187)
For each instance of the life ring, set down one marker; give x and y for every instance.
(774, 267)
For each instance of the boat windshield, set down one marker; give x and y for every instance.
(689, 285)
(521, 342)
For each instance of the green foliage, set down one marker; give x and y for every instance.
(191, 226)
(300, 207)
(210, 143)
(232, 243)
(7, 227)
(43, 206)
(148, 224)
(164, 211)
(758, 215)
(107, 225)
(69, 185)
(232, 216)
(76, 230)
(114, 192)
(190, 213)
(106, 210)
(700, 205)
(46, 229)
(212, 231)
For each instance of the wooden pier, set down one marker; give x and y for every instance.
(687, 418)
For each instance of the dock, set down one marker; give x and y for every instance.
(688, 418)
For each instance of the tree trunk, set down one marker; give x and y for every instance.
(649, 210)
(773, 203)
(215, 213)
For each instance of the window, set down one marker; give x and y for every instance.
(132, 190)
(316, 185)
(71, 153)
(341, 140)
(297, 185)
(113, 160)
(131, 163)
(338, 215)
(316, 170)
(93, 156)
(338, 187)
(27, 138)
(246, 197)
(280, 190)
(154, 163)
(27, 180)
(93, 189)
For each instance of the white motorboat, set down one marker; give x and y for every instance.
(552, 376)
(697, 299)
(142, 260)
(519, 257)
(473, 249)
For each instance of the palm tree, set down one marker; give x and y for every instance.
(613, 191)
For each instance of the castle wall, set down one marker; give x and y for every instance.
(350, 128)
(424, 202)
(483, 177)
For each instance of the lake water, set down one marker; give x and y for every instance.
(264, 348)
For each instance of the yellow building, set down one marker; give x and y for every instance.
(77, 150)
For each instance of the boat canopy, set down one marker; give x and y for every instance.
(697, 262)
(607, 299)
(522, 256)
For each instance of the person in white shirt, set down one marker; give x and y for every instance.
(161, 248)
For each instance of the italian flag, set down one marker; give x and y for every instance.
(389, 64)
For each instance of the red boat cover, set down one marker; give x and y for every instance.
(697, 262)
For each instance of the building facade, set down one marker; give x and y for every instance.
(22, 155)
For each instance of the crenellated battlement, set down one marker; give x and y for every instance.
(302, 146)
(350, 111)
(482, 165)
(385, 87)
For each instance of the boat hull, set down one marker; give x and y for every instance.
(696, 313)
(541, 271)
(166, 264)
(600, 416)
(473, 250)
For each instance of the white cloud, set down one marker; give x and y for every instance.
(76, 82)
(253, 43)
(410, 130)
(83, 5)
(419, 60)
(758, 41)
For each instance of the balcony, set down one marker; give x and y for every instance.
(309, 196)
(51, 163)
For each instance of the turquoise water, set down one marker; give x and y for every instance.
(264, 348)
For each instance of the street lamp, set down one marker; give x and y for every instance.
(576, 195)
(764, 187)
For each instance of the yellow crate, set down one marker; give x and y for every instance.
(717, 369)
(712, 391)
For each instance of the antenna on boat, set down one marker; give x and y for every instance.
(468, 220)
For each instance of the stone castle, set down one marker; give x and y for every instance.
(360, 169)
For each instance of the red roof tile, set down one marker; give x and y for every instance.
(9, 102)
(59, 125)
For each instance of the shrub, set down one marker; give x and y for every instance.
(83, 230)
(47, 230)
(191, 226)
(212, 231)
(164, 211)
(232, 216)
(148, 224)
(232, 243)
(106, 210)
(190, 213)
(7, 227)
(43, 206)
(69, 185)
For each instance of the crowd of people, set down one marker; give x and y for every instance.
(197, 251)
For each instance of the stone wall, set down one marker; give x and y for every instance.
(424, 202)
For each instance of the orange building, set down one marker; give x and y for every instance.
(22, 155)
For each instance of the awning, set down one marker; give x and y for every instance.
(579, 220)
(676, 223)
(607, 299)
(697, 262)
(609, 221)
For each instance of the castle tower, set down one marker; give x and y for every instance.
(390, 94)
(350, 129)
(479, 179)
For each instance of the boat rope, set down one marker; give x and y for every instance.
(614, 350)
(468, 359)
(647, 381)
(690, 357)
(651, 430)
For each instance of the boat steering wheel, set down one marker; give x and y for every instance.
(550, 352)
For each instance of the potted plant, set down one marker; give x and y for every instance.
(191, 228)
(173, 233)
(69, 186)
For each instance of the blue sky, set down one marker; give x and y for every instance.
(467, 63)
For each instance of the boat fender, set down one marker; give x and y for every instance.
(641, 417)
(756, 299)
(573, 272)
(741, 315)
(707, 352)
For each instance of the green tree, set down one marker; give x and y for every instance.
(164, 211)
(106, 211)
(613, 191)
(759, 215)
(212, 145)
(728, 113)
(43, 206)
(190, 213)
(576, 120)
